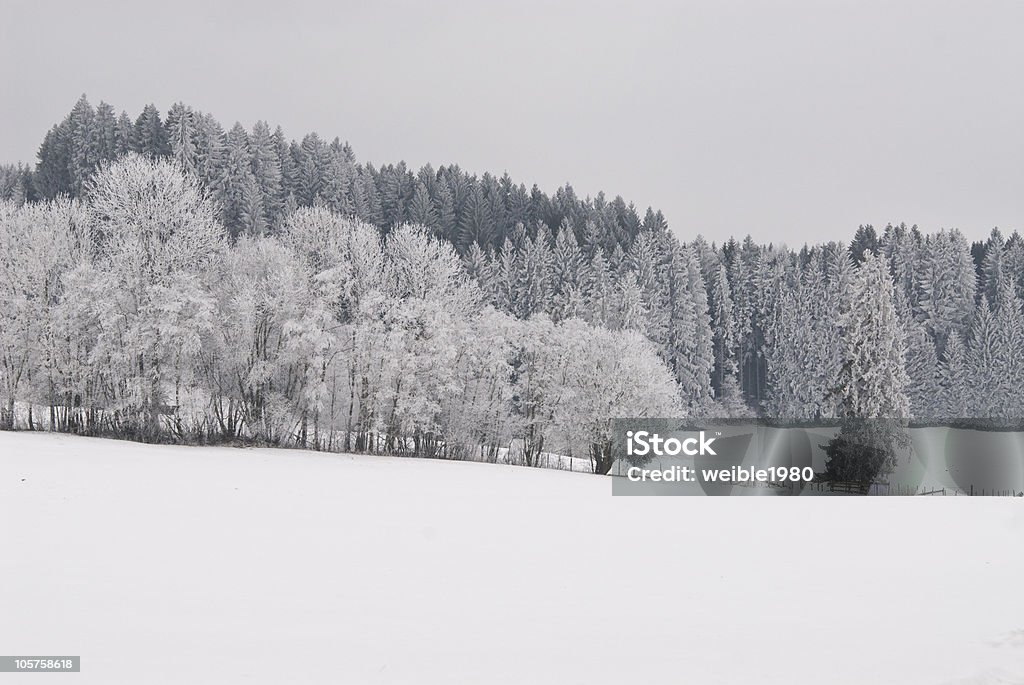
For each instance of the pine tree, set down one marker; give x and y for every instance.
(125, 133)
(723, 324)
(421, 209)
(211, 152)
(992, 267)
(104, 134)
(997, 365)
(149, 138)
(741, 283)
(309, 161)
(53, 171)
(955, 380)
(236, 191)
(646, 260)
(533, 259)
(865, 241)
(985, 357)
(567, 276)
(946, 284)
(923, 373)
(266, 171)
(873, 379)
(477, 265)
(601, 297)
(1013, 260)
(336, 179)
(902, 246)
(181, 134)
(654, 221)
(83, 153)
(803, 359)
(476, 223)
(444, 203)
(630, 310)
(288, 168)
(688, 349)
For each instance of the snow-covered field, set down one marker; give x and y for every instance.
(216, 565)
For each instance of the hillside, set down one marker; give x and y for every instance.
(189, 564)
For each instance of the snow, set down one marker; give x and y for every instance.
(162, 564)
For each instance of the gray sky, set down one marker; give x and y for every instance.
(792, 121)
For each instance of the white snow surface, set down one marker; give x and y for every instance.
(161, 564)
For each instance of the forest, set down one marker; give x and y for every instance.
(167, 279)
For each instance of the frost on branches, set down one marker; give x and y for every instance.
(132, 311)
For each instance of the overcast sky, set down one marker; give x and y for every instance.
(791, 121)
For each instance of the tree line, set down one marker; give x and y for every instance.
(313, 266)
(130, 312)
(258, 178)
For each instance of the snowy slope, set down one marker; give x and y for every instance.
(215, 565)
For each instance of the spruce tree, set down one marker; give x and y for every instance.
(83, 153)
(149, 138)
(181, 134)
(266, 171)
(873, 379)
(421, 209)
(992, 267)
(955, 380)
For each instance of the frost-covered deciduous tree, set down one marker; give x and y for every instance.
(261, 286)
(609, 375)
(476, 415)
(39, 245)
(156, 238)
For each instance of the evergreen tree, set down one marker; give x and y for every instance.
(992, 267)
(873, 379)
(476, 224)
(149, 137)
(923, 373)
(182, 137)
(955, 380)
(601, 300)
(53, 171)
(211, 152)
(865, 240)
(688, 349)
(444, 204)
(336, 178)
(266, 171)
(236, 191)
(568, 277)
(83, 153)
(946, 284)
(994, 356)
(421, 209)
(104, 134)
(124, 133)
(630, 310)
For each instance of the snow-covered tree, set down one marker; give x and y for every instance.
(610, 375)
(946, 285)
(873, 378)
(156, 238)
